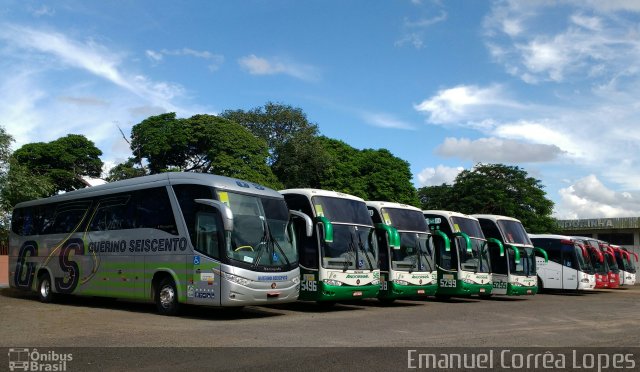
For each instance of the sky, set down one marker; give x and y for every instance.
(549, 86)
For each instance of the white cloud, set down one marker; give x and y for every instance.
(215, 60)
(414, 28)
(463, 103)
(582, 37)
(590, 198)
(438, 175)
(383, 120)
(495, 150)
(262, 66)
(42, 11)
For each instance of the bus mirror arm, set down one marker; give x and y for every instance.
(308, 224)
(225, 211)
(498, 243)
(544, 253)
(516, 252)
(328, 228)
(466, 239)
(394, 236)
(445, 238)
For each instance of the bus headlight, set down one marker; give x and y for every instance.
(401, 282)
(332, 282)
(235, 279)
(584, 280)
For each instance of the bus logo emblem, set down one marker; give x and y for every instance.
(358, 281)
(273, 285)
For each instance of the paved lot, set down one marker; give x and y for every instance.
(602, 318)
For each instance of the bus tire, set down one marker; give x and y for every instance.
(166, 297)
(45, 293)
(540, 286)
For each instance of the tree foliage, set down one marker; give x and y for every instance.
(495, 189)
(62, 161)
(126, 170)
(369, 174)
(201, 143)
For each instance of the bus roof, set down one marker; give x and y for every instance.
(319, 192)
(383, 204)
(157, 180)
(495, 217)
(551, 236)
(448, 214)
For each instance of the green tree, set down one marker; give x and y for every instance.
(369, 174)
(275, 123)
(126, 170)
(63, 161)
(17, 183)
(202, 143)
(503, 190)
(436, 197)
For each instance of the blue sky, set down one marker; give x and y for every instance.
(551, 86)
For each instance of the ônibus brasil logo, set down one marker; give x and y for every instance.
(25, 359)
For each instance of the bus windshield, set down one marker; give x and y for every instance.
(478, 259)
(468, 226)
(584, 262)
(513, 232)
(260, 235)
(631, 267)
(404, 219)
(353, 247)
(613, 266)
(527, 264)
(598, 266)
(342, 210)
(415, 253)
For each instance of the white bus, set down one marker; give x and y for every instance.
(463, 266)
(407, 267)
(171, 238)
(514, 273)
(627, 268)
(339, 260)
(568, 266)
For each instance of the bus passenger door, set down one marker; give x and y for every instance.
(569, 265)
(204, 268)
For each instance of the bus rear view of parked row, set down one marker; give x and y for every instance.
(171, 238)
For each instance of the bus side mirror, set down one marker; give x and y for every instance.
(544, 253)
(445, 238)
(498, 243)
(225, 212)
(394, 236)
(328, 228)
(467, 240)
(516, 252)
(308, 224)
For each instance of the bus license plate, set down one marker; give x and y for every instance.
(481, 290)
(420, 291)
(357, 294)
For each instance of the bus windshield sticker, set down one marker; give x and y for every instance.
(319, 211)
(224, 197)
(387, 219)
(456, 228)
(248, 259)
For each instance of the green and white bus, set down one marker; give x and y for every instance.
(406, 250)
(339, 260)
(514, 273)
(463, 266)
(171, 238)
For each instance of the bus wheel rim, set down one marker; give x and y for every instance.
(166, 296)
(44, 288)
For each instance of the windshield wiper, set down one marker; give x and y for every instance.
(263, 241)
(352, 250)
(361, 245)
(420, 253)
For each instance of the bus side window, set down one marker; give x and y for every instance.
(568, 253)
(208, 233)
(307, 246)
(186, 195)
(153, 210)
(113, 213)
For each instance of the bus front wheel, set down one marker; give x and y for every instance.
(167, 297)
(45, 294)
